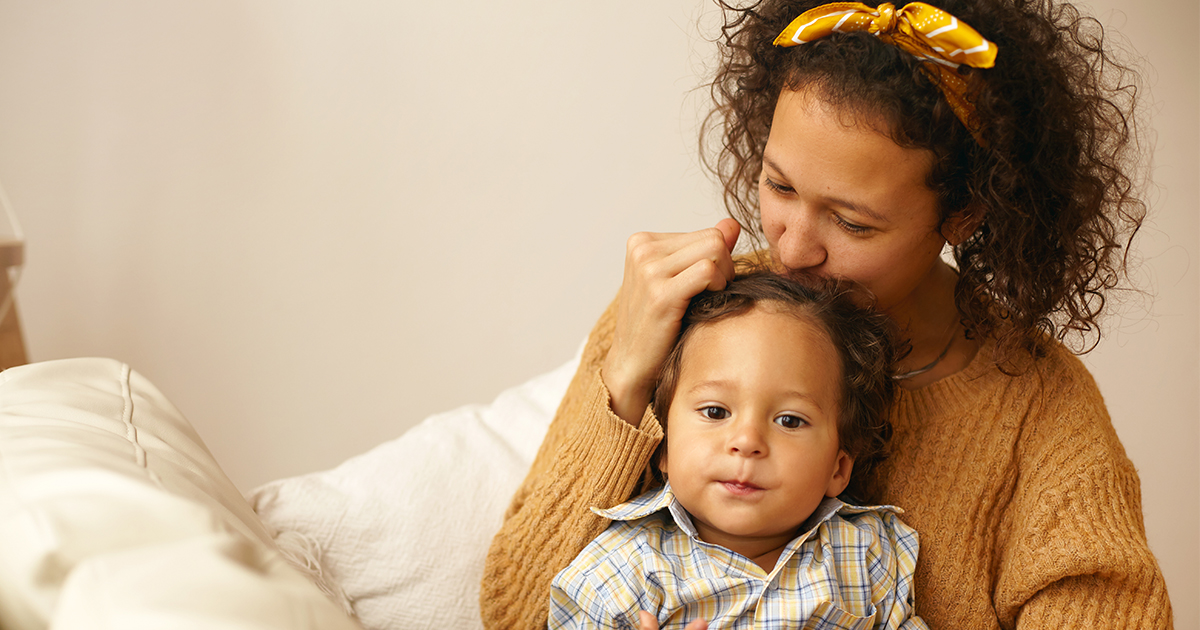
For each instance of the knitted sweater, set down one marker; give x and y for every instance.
(1028, 509)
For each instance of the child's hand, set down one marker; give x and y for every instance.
(663, 272)
(646, 621)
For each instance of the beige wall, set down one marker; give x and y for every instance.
(312, 224)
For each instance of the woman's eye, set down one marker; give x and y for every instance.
(714, 413)
(777, 187)
(790, 422)
(852, 228)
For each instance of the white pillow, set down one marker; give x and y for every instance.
(404, 528)
(113, 514)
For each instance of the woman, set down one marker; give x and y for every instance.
(853, 153)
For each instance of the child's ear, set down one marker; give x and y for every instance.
(842, 467)
(658, 462)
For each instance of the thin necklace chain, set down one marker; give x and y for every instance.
(932, 364)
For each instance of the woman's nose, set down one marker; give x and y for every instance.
(800, 246)
(746, 439)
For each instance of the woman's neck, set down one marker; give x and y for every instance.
(931, 324)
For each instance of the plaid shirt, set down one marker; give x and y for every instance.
(852, 568)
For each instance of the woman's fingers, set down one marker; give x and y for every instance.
(730, 230)
(663, 272)
(703, 275)
(666, 255)
(646, 621)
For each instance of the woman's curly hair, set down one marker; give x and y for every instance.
(1048, 178)
(864, 339)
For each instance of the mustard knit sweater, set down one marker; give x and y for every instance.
(1028, 510)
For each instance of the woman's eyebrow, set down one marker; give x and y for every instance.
(845, 203)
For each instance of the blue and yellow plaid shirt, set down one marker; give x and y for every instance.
(851, 568)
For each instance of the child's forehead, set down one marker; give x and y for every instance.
(785, 322)
(803, 315)
(752, 337)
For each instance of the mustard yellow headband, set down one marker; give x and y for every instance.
(924, 31)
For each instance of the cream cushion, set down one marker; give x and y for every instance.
(113, 514)
(404, 528)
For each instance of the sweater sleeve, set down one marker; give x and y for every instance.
(590, 457)
(1073, 550)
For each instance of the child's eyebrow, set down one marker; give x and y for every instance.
(812, 399)
(719, 384)
(711, 384)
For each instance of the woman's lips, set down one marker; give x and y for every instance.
(741, 488)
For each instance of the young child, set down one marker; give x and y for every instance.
(772, 395)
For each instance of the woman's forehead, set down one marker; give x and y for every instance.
(823, 150)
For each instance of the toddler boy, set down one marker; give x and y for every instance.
(773, 393)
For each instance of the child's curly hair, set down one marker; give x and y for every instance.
(1048, 179)
(863, 338)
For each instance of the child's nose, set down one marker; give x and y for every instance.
(746, 439)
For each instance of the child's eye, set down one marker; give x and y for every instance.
(790, 422)
(714, 413)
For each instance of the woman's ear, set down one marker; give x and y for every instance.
(959, 226)
(842, 467)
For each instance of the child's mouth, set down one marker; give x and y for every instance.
(740, 488)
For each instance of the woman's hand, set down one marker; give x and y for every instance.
(646, 621)
(663, 272)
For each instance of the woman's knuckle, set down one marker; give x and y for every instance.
(653, 268)
(714, 238)
(638, 239)
(640, 247)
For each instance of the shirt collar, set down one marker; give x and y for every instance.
(641, 506)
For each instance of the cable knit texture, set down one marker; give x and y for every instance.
(1028, 509)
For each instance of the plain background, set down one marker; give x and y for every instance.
(313, 223)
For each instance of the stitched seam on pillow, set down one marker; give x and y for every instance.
(131, 432)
